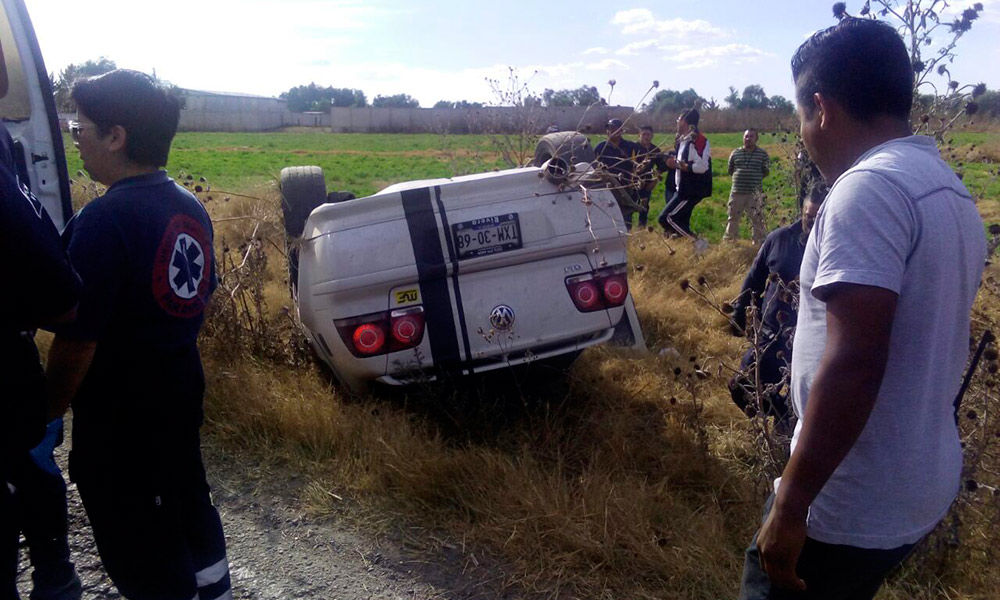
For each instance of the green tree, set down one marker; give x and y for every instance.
(581, 96)
(989, 104)
(395, 101)
(672, 101)
(754, 97)
(732, 99)
(63, 86)
(781, 104)
(347, 97)
(315, 98)
(459, 104)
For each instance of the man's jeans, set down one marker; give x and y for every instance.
(831, 572)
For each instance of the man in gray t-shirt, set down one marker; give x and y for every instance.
(888, 279)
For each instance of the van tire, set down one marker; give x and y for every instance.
(571, 146)
(302, 190)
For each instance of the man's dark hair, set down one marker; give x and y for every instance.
(648, 128)
(860, 63)
(753, 129)
(691, 116)
(148, 111)
(818, 191)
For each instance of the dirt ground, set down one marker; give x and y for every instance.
(277, 551)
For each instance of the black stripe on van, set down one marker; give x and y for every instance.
(454, 272)
(432, 272)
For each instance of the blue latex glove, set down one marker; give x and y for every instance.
(42, 453)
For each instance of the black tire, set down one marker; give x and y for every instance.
(571, 146)
(302, 190)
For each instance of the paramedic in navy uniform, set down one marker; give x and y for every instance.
(130, 363)
(39, 288)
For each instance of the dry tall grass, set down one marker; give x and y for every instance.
(634, 477)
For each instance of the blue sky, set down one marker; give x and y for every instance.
(447, 49)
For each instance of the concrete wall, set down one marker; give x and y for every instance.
(212, 111)
(307, 119)
(209, 111)
(472, 120)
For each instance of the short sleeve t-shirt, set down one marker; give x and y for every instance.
(144, 252)
(899, 219)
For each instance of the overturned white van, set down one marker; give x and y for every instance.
(458, 276)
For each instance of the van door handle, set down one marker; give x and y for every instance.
(36, 158)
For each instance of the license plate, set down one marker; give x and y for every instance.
(489, 235)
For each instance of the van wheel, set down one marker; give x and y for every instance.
(302, 190)
(571, 146)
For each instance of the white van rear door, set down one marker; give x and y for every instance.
(29, 112)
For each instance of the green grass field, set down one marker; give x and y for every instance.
(366, 163)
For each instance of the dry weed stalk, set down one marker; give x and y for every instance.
(770, 434)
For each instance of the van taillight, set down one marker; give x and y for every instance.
(606, 288)
(368, 338)
(408, 327)
(586, 296)
(383, 332)
(615, 289)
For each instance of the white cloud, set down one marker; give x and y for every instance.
(700, 63)
(597, 50)
(646, 47)
(698, 58)
(642, 20)
(637, 47)
(606, 64)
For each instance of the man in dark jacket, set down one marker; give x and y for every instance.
(770, 288)
(41, 288)
(618, 155)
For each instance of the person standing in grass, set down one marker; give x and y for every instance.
(693, 175)
(888, 279)
(617, 155)
(42, 289)
(771, 288)
(649, 163)
(130, 362)
(748, 165)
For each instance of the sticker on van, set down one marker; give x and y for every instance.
(407, 296)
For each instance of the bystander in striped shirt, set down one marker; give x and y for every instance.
(748, 168)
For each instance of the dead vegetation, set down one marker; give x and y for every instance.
(636, 478)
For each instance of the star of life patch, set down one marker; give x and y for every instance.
(182, 268)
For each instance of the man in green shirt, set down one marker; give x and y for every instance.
(749, 166)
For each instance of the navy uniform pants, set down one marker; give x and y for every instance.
(38, 509)
(158, 540)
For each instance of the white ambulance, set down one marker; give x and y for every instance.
(29, 113)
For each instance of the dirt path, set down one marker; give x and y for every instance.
(278, 552)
